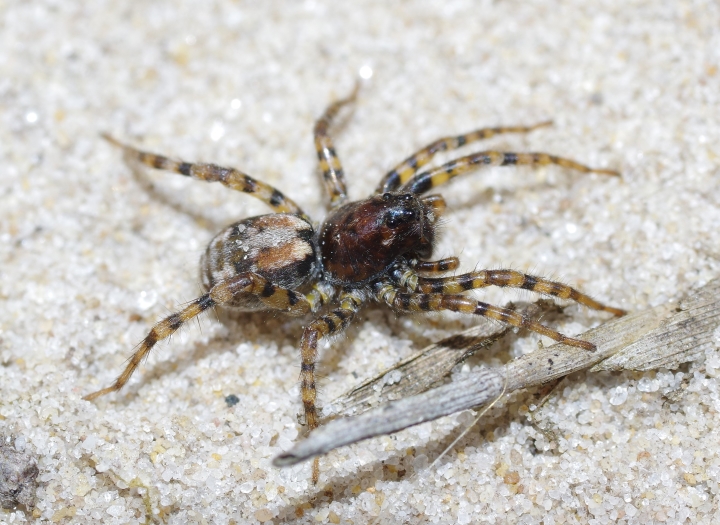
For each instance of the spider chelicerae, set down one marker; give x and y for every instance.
(374, 249)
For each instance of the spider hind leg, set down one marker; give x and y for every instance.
(436, 302)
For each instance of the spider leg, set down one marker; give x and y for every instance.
(401, 173)
(507, 278)
(321, 294)
(427, 180)
(435, 302)
(443, 265)
(332, 170)
(230, 177)
(223, 293)
(437, 204)
(325, 326)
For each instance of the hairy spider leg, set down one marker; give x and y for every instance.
(325, 326)
(443, 265)
(223, 293)
(503, 278)
(410, 166)
(436, 302)
(405, 274)
(427, 180)
(230, 177)
(332, 170)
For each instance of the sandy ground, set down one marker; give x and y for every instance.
(94, 250)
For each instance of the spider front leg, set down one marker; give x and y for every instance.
(502, 278)
(224, 293)
(325, 326)
(230, 177)
(436, 302)
(401, 173)
(427, 180)
(332, 170)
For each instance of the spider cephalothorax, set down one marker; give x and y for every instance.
(360, 240)
(372, 249)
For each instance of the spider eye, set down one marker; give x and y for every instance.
(398, 216)
(386, 196)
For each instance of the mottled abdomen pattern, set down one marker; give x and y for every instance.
(279, 247)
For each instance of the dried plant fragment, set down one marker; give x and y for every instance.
(425, 368)
(18, 473)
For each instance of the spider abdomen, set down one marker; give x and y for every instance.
(279, 247)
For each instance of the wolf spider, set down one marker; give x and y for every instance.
(373, 249)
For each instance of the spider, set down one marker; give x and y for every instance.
(376, 249)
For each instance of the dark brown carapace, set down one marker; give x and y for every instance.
(359, 241)
(374, 249)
